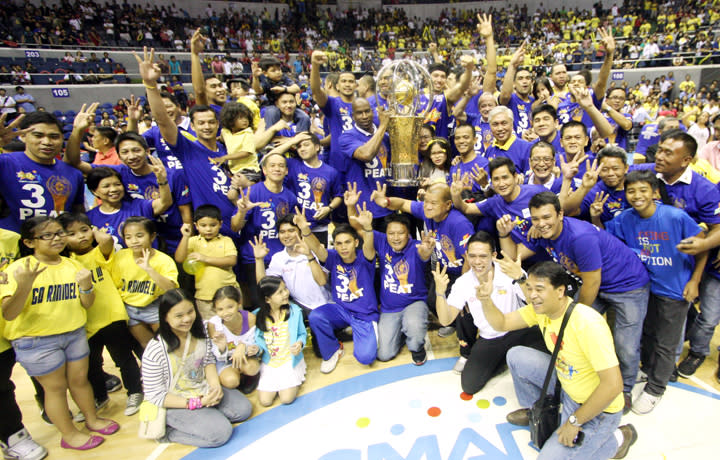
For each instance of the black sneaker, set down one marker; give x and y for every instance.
(690, 364)
(674, 375)
(112, 383)
(248, 383)
(419, 357)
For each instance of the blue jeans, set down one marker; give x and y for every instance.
(410, 323)
(630, 309)
(702, 329)
(528, 368)
(326, 319)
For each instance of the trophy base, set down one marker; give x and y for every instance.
(404, 175)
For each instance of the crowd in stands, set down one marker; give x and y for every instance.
(269, 201)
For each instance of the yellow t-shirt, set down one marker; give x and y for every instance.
(587, 348)
(135, 285)
(209, 279)
(108, 306)
(277, 339)
(243, 141)
(705, 169)
(9, 251)
(53, 306)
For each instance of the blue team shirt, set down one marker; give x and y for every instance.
(619, 136)
(649, 135)
(339, 118)
(495, 207)
(439, 116)
(366, 174)
(568, 110)
(582, 247)
(314, 187)
(402, 275)
(352, 285)
(208, 182)
(451, 237)
(483, 134)
(146, 187)
(521, 113)
(33, 189)
(701, 200)
(556, 145)
(582, 167)
(262, 220)
(155, 141)
(467, 168)
(518, 152)
(655, 239)
(112, 223)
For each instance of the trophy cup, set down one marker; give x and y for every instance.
(408, 83)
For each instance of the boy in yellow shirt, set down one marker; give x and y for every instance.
(209, 256)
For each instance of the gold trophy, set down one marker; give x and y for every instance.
(318, 188)
(402, 271)
(352, 276)
(60, 188)
(448, 248)
(408, 84)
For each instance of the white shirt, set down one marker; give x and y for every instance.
(506, 296)
(297, 275)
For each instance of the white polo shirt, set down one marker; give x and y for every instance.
(507, 297)
(296, 273)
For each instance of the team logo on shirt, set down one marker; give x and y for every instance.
(347, 289)
(32, 176)
(401, 270)
(680, 203)
(318, 186)
(433, 116)
(60, 189)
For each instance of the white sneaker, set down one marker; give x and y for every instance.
(645, 403)
(133, 404)
(460, 365)
(22, 447)
(642, 377)
(328, 366)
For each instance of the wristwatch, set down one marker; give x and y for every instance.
(572, 420)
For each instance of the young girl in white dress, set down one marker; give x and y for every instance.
(281, 335)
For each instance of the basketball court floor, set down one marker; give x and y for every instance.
(399, 411)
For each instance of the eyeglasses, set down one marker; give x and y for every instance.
(51, 236)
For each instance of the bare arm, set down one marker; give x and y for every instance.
(367, 151)
(82, 122)
(181, 252)
(165, 199)
(604, 74)
(150, 73)
(584, 98)
(490, 78)
(197, 45)
(317, 59)
(456, 92)
(590, 286)
(508, 84)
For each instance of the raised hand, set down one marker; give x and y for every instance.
(364, 217)
(607, 40)
(597, 206)
(352, 195)
(158, 168)
(485, 288)
(582, 96)
(150, 70)
(197, 42)
(427, 243)
(484, 25)
(186, 230)
(301, 247)
(505, 225)
(300, 220)
(25, 274)
(467, 61)
(590, 177)
(7, 133)
(518, 56)
(256, 70)
(379, 195)
(84, 279)
(512, 268)
(144, 261)
(318, 58)
(134, 111)
(85, 117)
(441, 278)
(244, 204)
(457, 185)
(260, 249)
(479, 175)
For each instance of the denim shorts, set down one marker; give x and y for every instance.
(45, 354)
(143, 315)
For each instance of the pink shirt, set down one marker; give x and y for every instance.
(711, 152)
(108, 158)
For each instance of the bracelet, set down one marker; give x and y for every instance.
(305, 236)
(437, 294)
(367, 231)
(194, 403)
(504, 236)
(148, 86)
(160, 184)
(331, 208)
(387, 202)
(83, 291)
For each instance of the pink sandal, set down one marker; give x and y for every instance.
(112, 428)
(92, 443)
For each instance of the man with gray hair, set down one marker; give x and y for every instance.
(506, 143)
